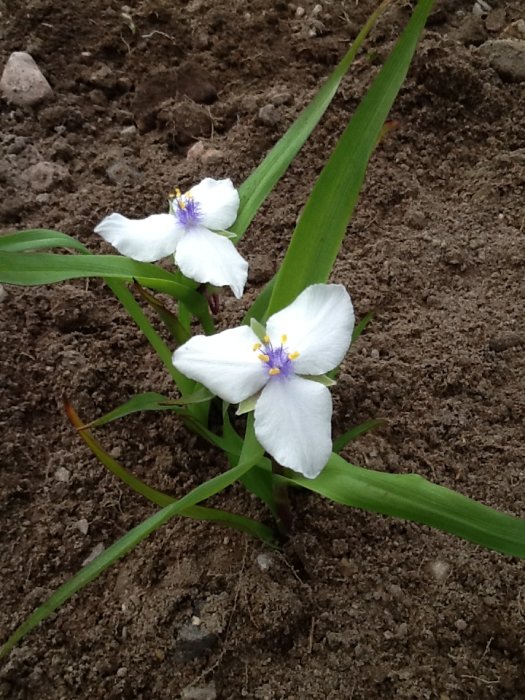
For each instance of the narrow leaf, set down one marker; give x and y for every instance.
(342, 441)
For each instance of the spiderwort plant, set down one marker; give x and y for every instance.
(194, 231)
(278, 370)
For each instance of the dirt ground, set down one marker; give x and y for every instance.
(356, 605)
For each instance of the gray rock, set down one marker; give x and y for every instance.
(22, 81)
(202, 692)
(195, 641)
(62, 474)
(82, 525)
(269, 115)
(44, 176)
(196, 151)
(506, 56)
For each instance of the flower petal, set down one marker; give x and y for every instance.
(225, 363)
(318, 325)
(205, 256)
(146, 240)
(293, 423)
(217, 201)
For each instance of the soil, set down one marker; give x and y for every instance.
(355, 605)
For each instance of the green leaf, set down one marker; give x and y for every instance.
(322, 225)
(263, 179)
(125, 544)
(258, 329)
(48, 268)
(237, 522)
(323, 379)
(38, 238)
(151, 401)
(179, 333)
(410, 497)
(248, 405)
(342, 441)
(360, 327)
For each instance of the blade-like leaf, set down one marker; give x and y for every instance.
(38, 238)
(125, 544)
(360, 327)
(342, 441)
(170, 320)
(322, 225)
(151, 401)
(238, 522)
(411, 497)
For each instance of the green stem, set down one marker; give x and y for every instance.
(283, 510)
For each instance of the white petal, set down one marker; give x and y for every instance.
(225, 363)
(318, 325)
(205, 256)
(218, 202)
(293, 423)
(146, 240)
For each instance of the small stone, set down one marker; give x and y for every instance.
(82, 525)
(62, 474)
(212, 155)
(200, 692)
(481, 8)
(299, 12)
(95, 552)
(264, 561)
(269, 115)
(461, 625)
(3, 294)
(507, 57)
(45, 176)
(103, 77)
(121, 173)
(22, 81)
(196, 151)
(471, 31)
(195, 641)
(317, 10)
(439, 570)
(516, 30)
(402, 630)
(495, 20)
(122, 672)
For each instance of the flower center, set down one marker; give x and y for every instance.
(277, 360)
(185, 209)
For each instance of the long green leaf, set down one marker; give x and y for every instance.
(124, 545)
(342, 441)
(322, 225)
(238, 522)
(412, 497)
(38, 238)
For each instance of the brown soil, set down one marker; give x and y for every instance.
(356, 606)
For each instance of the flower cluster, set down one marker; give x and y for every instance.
(281, 375)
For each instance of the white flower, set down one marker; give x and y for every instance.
(293, 412)
(187, 231)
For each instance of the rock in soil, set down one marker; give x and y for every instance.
(22, 82)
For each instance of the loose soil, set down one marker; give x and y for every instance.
(355, 605)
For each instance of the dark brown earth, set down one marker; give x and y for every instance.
(356, 605)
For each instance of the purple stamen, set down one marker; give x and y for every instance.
(186, 211)
(279, 362)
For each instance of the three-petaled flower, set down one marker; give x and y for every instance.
(293, 409)
(188, 231)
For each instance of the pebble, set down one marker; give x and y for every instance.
(95, 552)
(507, 57)
(495, 20)
(62, 474)
(299, 12)
(22, 82)
(481, 8)
(196, 151)
(82, 525)
(269, 115)
(44, 176)
(128, 133)
(195, 641)
(202, 692)
(264, 561)
(212, 155)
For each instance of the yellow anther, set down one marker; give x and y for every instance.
(266, 339)
(284, 338)
(264, 358)
(293, 355)
(256, 346)
(275, 370)
(178, 193)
